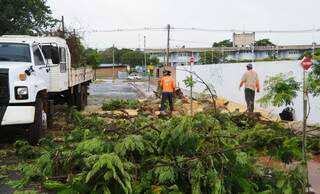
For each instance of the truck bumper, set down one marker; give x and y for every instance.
(16, 115)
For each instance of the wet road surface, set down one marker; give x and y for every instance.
(106, 89)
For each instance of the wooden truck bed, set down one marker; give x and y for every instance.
(80, 75)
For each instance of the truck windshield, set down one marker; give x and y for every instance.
(15, 52)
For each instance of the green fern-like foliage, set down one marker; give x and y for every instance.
(209, 153)
(180, 139)
(117, 104)
(41, 168)
(90, 147)
(165, 174)
(133, 143)
(109, 176)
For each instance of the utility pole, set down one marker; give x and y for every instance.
(144, 50)
(62, 24)
(168, 44)
(145, 61)
(139, 46)
(113, 77)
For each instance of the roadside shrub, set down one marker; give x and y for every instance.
(118, 104)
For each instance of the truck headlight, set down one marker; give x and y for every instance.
(21, 93)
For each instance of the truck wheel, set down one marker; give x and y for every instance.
(80, 98)
(85, 93)
(71, 98)
(40, 122)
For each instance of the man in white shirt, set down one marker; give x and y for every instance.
(251, 81)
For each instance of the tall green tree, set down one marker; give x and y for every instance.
(77, 49)
(126, 56)
(152, 60)
(210, 57)
(132, 58)
(25, 17)
(93, 57)
(223, 43)
(264, 42)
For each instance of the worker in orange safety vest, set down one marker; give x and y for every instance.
(167, 84)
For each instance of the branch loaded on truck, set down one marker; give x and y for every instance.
(35, 74)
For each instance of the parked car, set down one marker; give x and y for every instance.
(134, 76)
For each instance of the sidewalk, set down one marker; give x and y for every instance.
(144, 89)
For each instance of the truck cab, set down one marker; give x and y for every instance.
(35, 74)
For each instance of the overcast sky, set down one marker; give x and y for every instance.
(213, 14)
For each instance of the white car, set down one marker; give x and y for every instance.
(134, 77)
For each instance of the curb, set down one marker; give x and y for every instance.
(140, 93)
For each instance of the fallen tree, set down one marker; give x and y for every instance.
(211, 152)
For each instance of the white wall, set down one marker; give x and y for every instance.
(226, 78)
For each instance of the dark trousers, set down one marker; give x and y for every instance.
(249, 96)
(165, 96)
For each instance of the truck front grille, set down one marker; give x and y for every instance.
(4, 87)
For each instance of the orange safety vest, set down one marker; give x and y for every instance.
(167, 83)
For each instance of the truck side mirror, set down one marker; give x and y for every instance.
(55, 55)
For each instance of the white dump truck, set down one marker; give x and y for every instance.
(35, 74)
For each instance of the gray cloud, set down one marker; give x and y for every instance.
(213, 14)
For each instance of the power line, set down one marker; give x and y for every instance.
(203, 30)
(248, 31)
(188, 41)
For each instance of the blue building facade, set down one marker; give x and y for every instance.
(181, 56)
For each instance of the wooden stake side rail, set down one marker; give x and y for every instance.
(80, 75)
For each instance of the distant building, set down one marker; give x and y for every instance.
(243, 39)
(181, 56)
(107, 70)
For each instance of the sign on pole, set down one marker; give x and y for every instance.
(306, 63)
(191, 60)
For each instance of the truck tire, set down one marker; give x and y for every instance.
(36, 130)
(80, 98)
(71, 98)
(85, 90)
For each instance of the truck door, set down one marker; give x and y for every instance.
(40, 67)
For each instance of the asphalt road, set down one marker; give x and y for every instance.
(107, 89)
